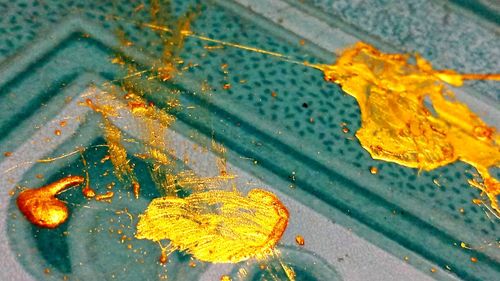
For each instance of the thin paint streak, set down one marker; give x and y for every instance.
(217, 226)
(41, 207)
(189, 33)
(398, 126)
(118, 153)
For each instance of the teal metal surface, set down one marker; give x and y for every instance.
(395, 225)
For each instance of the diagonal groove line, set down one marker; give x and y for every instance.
(29, 109)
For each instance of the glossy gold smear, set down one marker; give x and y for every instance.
(217, 226)
(41, 207)
(409, 117)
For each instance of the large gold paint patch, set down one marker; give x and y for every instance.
(409, 117)
(217, 226)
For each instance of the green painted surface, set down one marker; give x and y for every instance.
(397, 205)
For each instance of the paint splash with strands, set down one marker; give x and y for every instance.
(398, 126)
(217, 225)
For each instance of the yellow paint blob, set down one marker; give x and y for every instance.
(217, 226)
(409, 117)
(41, 207)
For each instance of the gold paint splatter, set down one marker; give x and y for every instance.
(398, 126)
(57, 132)
(373, 170)
(217, 226)
(299, 240)
(88, 192)
(117, 152)
(105, 197)
(41, 207)
(225, 278)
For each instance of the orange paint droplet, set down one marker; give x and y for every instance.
(46, 271)
(136, 188)
(57, 132)
(192, 264)
(302, 42)
(105, 197)
(373, 170)
(105, 158)
(39, 176)
(202, 235)
(300, 240)
(477, 201)
(7, 154)
(42, 208)
(63, 123)
(163, 257)
(433, 269)
(88, 192)
(473, 259)
(226, 86)
(345, 130)
(274, 94)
